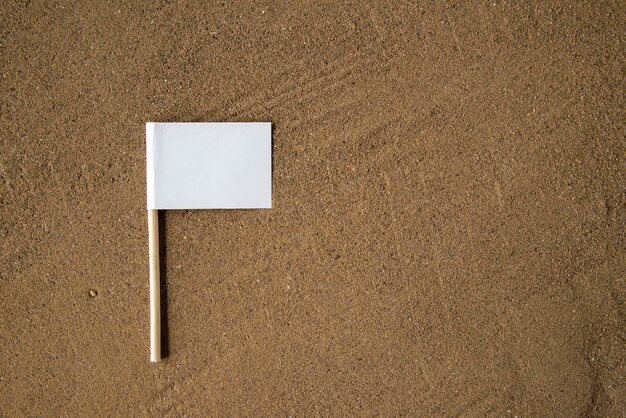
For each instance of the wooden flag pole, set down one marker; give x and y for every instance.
(155, 286)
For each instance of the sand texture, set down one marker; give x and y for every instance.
(447, 237)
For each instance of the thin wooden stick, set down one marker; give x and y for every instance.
(155, 286)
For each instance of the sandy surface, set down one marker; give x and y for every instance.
(448, 231)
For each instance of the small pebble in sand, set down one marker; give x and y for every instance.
(93, 293)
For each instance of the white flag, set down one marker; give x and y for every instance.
(209, 165)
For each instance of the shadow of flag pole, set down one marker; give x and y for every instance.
(202, 165)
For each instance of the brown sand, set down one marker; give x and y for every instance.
(448, 230)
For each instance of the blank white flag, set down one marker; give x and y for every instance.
(209, 165)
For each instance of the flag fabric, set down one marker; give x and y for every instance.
(209, 165)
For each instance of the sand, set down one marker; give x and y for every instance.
(447, 235)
